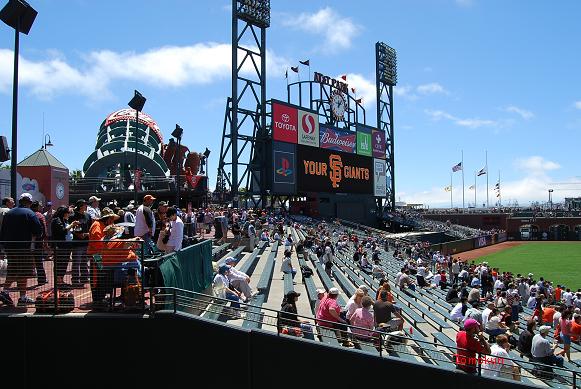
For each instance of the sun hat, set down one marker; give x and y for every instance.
(94, 198)
(26, 195)
(108, 212)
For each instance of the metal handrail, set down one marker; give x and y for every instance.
(269, 317)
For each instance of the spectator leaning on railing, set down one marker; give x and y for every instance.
(19, 227)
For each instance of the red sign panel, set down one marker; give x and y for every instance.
(284, 123)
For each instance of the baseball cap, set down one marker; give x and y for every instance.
(364, 288)
(162, 204)
(230, 260)
(334, 291)
(544, 329)
(94, 198)
(80, 203)
(470, 323)
(26, 195)
(130, 207)
(148, 197)
(320, 290)
(292, 294)
(223, 268)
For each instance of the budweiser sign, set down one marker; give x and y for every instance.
(339, 140)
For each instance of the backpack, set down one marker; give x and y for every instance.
(306, 271)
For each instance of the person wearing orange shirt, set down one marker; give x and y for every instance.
(558, 293)
(548, 313)
(576, 328)
(97, 246)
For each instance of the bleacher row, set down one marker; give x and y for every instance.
(430, 331)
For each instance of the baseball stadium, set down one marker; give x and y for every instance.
(299, 262)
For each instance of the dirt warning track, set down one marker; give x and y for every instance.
(477, 253)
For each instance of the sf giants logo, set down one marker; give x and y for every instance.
(336, 165)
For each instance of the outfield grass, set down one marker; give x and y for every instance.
(559, 262)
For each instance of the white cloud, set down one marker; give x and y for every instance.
(525, 114)
(535, 165)
(171, 66)
(431, 88)
(405, 91)
(462, 122)
(338, 31)
(364, 88)
(578, 104)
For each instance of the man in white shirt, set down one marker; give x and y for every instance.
(499, 364)
(543, 351)
(93, 208)
(456, 313)
(568, 298)
(222, 289)
(239, 280)
(145, 222)
(176, 232)
(486, 313)
(498, 284)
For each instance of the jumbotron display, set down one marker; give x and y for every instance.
(309, 156)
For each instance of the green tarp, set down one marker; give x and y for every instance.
(189, 268)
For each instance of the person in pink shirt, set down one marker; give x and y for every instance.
(328, 315)
(363, 318)
(565, 326)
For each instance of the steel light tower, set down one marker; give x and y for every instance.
(245, 118)
(137, 103)
(386, 79)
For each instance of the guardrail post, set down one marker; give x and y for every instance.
(574, 379)
(380, 345)
(54, 279)
(479, 364)
(174, 301)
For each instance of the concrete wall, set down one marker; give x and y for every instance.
(178, 351)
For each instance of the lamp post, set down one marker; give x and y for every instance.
(137, 103)
(19, 15)
(47, 144)
(177, 133)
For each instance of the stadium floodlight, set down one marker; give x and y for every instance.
(255, 12)
(137, 102)
(177, 133)
(19, 15)
(387, 64)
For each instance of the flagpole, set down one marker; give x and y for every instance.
(475, 189)
(499, 195)
(309, 70)
(286, 76)
(451, 190)
(463, 206)
(486, 165)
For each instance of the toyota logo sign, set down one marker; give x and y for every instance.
(285, 117)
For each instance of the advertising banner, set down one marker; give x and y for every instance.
(284, 123)
(284, 169)
(321, 170)
(379, 178)
(338, 140)
(364, 141)
(378, 139)
(308, 129)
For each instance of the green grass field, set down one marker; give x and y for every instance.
(559, 262)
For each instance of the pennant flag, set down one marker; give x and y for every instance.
(353, 90)
(498, 194)
(482, 172)
(457, 167)
(295, 69)
(447, 189)
(344, 77)
(497, 186)
(306, 63)
(359, 101)
(471, 187)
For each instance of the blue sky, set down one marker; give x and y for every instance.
(474, 75)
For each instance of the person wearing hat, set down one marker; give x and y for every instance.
(286, 266)
(288, 322)
(329, 315)
(542, 350)
(145, 222)
(80, 270)
(161, 218)
(469, 342)
(93, 208)
(19, 226)
(97, 247)
(222, 289)
(321, 295)
(239, 280)
(176, 230)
